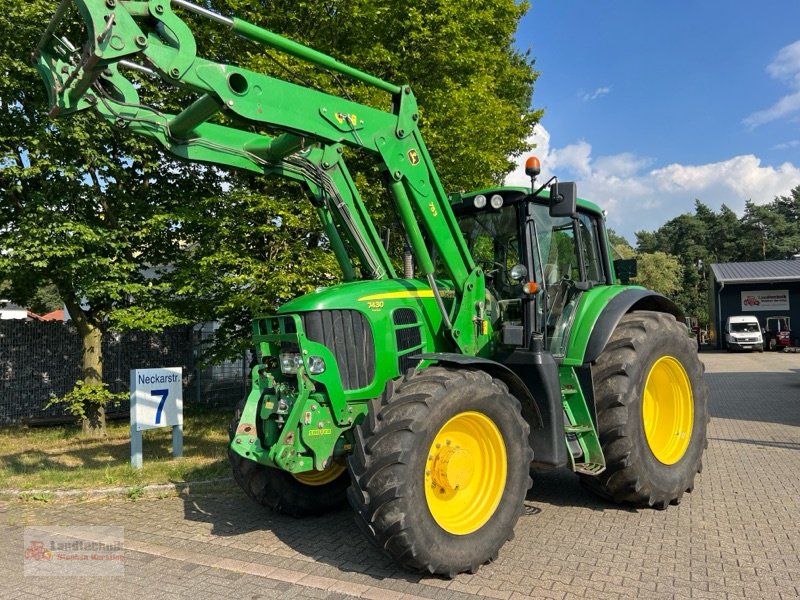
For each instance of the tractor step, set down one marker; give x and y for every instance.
(578, 428)
(583, 444)
(589, 468)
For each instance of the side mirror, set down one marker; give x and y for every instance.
(626, 269)
(563, 195)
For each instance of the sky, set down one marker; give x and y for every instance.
(649, 105)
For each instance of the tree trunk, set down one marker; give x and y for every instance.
(94, 422)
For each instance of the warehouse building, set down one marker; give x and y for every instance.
(769, 288)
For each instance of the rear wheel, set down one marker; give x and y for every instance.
(298, 495)
(440, 470)
(652, 412)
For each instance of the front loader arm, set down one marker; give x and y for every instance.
(233, 109)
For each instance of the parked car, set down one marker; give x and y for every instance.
(743, 332)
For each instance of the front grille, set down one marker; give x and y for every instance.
(347, 334)
(408, 337)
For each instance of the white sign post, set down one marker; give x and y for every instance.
(156, 401)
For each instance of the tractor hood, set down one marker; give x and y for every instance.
(369, 296)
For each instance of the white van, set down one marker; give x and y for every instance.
(743, 333)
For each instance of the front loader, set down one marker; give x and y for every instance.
(424, 397)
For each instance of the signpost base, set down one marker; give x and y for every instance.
(136, 448)
(177, 441)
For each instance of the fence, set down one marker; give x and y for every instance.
(40, 360)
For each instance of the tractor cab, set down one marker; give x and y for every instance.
(540, 251)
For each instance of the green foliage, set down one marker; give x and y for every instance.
(620, 247)
(659, 272)
(130, 237)
(135, 493)
(78, 400)
(259, 244)
(87, 211)
(44, 497)
(473, 86)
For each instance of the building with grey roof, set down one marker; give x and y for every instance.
(769, 288)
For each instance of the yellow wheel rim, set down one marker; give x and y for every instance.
(465, 473)
(668, 410)
(321, 477)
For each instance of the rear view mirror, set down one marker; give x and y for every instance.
(625, 269)
(563, 195)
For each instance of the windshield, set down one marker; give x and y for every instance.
(778, 324)
(744, 328)
(493, 240)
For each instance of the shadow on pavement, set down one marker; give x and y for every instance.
(562, 488)
(761, 443)
(332, 539)
(335, 540)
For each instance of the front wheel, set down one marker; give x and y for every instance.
(297, 495)
(652, 411)
(440, 470)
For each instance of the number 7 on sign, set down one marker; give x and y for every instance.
(163, 394)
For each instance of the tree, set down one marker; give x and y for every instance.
(134, 239)
(765, 232)
(773, 230)
(475, 111)
(620, 247)
(659, 272)
(86, 210)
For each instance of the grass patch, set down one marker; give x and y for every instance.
(33, 458)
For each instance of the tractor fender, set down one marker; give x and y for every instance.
(497, 370)
(620, 305)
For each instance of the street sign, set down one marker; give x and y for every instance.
(156, 401)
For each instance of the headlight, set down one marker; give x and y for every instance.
(496, 201)
(479, 201)
(290, 361)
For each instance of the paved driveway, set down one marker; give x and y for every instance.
(736, 536)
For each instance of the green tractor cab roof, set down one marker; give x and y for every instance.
(464, 202)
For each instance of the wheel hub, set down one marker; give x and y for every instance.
(465, 473)
(452, 468)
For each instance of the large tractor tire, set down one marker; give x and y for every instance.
(299, 495)
(440, 470)
(652, 412)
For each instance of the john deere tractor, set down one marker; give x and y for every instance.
(424, 397)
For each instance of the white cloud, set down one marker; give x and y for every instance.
(598, 93)
(638, 197)
(784, 67)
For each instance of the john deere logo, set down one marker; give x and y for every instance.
(413, 157)
(344, 118)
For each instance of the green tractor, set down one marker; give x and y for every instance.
(426, 395)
